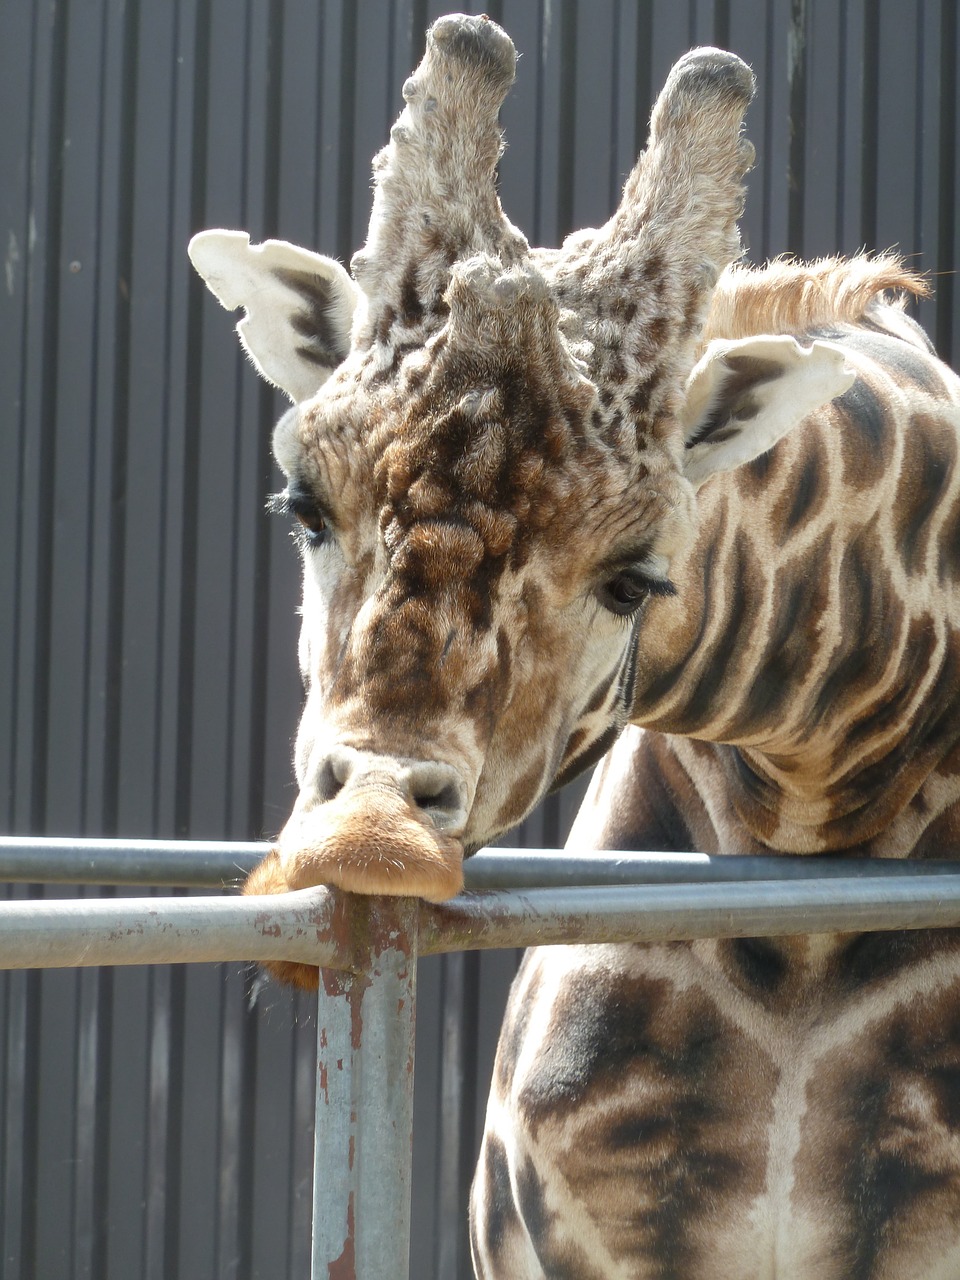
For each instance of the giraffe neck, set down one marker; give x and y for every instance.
(816, 631)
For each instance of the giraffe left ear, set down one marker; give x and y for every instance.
(299, 305)
(745, 395)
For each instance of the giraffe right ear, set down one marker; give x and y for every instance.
(745, 395)
(299, 306)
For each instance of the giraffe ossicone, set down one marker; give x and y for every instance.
(629, 500)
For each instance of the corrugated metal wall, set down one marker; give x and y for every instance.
(153, 1123)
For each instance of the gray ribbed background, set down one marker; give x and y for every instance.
(152, 1124)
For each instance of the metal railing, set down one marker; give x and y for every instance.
(368, 950)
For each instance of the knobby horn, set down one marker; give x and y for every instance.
(639, 287)
(436, 201)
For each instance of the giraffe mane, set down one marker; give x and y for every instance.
(787, 296)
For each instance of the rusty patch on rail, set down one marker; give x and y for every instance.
(345, 1267)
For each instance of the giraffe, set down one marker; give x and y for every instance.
(632, 501)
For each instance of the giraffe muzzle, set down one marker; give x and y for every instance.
(372, 824)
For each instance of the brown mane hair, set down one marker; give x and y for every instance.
(787, 296)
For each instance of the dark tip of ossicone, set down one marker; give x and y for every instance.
(476, 41)
(708, 71)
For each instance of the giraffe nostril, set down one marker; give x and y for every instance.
(446, 800)
(438, 791)
(329, 785)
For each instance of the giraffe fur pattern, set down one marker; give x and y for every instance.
(634, 501)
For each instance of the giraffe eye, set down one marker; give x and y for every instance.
(623, 593)
(312, 523)
(311, 528)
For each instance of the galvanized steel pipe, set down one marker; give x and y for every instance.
(547, 868)
(300, 926)
(364, 1120)
(90, 931)
(659, 913)
(215, 864)
(202, 864)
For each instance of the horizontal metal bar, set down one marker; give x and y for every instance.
(110, 931)
(301, 926)
(659, 913)
(543, 868)
(200, 864)
(213, 864)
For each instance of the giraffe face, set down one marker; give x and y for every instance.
(476, 570)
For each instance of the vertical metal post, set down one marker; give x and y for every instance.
(364, 1123)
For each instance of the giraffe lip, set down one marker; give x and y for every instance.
(371, 839)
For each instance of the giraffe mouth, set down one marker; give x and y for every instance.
(369, 839)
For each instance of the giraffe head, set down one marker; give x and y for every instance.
(492, 460)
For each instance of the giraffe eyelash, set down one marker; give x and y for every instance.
(311, 526)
